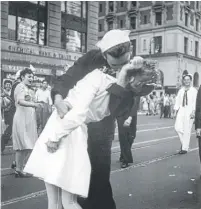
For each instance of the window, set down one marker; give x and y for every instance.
(197, 4)
(145, 19)
(133, 3)
(100, 27)
(157, 44)
(121, 4)
(73, 40)
(133, 42)
(121, 23)
(76, 8)
(186, 19)
(185, 45)
(191, 46)
(196, 48)
(111, 6)
(158, 18)
(27, 22)
(144, 45)
(110, 25)
(197, 24)
(133, 22)
(100, 8)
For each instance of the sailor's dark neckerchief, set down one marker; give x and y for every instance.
(185, 98)
(108, 71)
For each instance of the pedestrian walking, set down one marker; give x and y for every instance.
(127, 125)
(145, 105)
(185, 112)
(198, 120)
(24, 131)
(43, 96)
(166, 106)
(151, 105)
(115, 52)
(172, 104)
(161, 103)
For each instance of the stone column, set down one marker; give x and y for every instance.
(92, 26)
(54, 24)
(4, 19)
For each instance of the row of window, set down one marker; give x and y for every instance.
(157, 46)
(187, 18)
(133, 22)
(122, 5)
(186, 46)
(27, 22)
(111, 5)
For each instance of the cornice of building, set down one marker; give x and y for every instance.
(172, 54)
(163, 28)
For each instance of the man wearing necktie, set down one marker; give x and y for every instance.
(185, 112)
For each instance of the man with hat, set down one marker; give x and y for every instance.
(185, 112)
(113, 53)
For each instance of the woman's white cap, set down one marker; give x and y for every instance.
(113, 38)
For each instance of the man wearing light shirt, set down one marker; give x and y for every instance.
(43, 95)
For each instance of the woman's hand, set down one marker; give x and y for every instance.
(52, 146)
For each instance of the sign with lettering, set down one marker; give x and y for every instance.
(22, 48)
(14, 69)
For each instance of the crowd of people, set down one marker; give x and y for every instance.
(162, 105)
(70, 148)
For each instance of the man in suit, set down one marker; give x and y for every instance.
(127, 125)
(198, 120)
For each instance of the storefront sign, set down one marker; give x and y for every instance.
(39, 51)
(14, 69)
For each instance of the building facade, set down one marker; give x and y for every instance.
(50, 36)
(167, 31)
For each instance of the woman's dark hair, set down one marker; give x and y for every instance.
(119, 50)
(25, 71)
(8, 81)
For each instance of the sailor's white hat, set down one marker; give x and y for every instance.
(113, 38)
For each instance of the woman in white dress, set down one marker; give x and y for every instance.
(66, 168)
(185, 112)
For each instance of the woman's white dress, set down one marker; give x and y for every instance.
(69, 167)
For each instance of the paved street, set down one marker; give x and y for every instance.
(158, 179)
